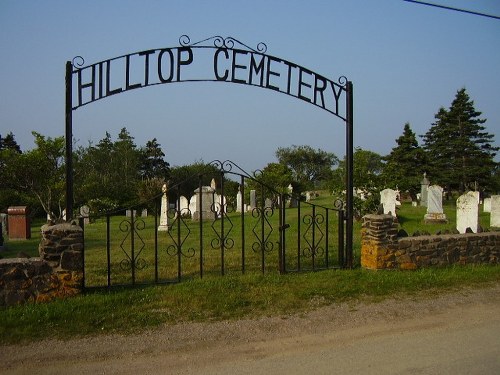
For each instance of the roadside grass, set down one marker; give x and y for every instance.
(234, 296)
(134, 309)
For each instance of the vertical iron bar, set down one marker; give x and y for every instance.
(222, 245)
(341, 238)
(132, 247)
(298, 237)
(108, 249)
(81, 222)
(281, 249)
(69, 141)
(156, 240)
(179, 245)
(314, 245)
(263, 245)
(200, 205)
(242, 191)
(327, 229)
(350, 181)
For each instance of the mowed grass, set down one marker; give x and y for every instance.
(253, 294)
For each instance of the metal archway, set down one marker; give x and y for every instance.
(187, 63)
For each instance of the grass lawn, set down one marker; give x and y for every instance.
(234, 296)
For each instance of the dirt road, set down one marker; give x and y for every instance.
(455, 333)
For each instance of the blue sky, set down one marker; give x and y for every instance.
(405, 61)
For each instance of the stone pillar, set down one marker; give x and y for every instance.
(378, 241)
(204, 204)
(62, 248)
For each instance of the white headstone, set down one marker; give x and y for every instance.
(468, 211)
(253, 200)
(192, 204)
(435, 204)
(163, 227)
(495, 211)
(183, 205)
(388, 199)
(239, 202)
(424, 185)
(487, 205)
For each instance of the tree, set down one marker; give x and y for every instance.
(9, 143)
(40, 173)
(367, 167)
(459, 149)
(153, 164)
(405, 164)
(308, 166)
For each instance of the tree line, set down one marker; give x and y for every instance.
(456, 152)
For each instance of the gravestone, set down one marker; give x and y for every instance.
(239, 201)
(389, 201)
(204, 203)
(163, 227)
(424, 185)
(3, 220)
(183, 206)
(268, 203)
(253, 200)
(85, 214)
(192, 204)
(495, 211)
(19, 223)
(487, 205)
(129, 213)
(144, 212)
(435, 212)
(468, 212)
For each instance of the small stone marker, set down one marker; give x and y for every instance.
(163, 227)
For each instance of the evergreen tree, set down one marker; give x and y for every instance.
(405, 164)
(459, 149)
(153, 164)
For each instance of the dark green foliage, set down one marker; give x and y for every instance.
(308, 166)
(405, 164)
(460, 151)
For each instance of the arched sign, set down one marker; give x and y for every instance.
(214, 59)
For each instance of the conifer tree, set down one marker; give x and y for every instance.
(405, 164)
(459, 149)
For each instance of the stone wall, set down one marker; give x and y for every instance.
(381, 248)
(57, 273)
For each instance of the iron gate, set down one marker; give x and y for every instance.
(264, 230)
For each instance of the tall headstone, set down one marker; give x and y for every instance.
(389, 201)
(239, 201)
(253, 200)
(424, 185)
(85, 214)
(435, 205)
(495, 211)
(204, 204)
(468, 212)
(163, 227)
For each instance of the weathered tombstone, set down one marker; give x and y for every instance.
(204, 203)
(239, 201)
(424, 186)
(487, 205)
(213, 184)
(163, 227)
(85, 214)
(268, 203)
(308, 196)
(129, 213)
(468, 212)
(183, 205)
(19, 223)
(495, 211)
(192, 204)
(253, 200)
(388, 199)
(144, 212)
(435, 205)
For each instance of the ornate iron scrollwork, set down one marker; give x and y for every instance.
(132, 259)
(221, 42)
(265, 227)
(311, 235)
(175, 249)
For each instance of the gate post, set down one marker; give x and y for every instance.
(349, 175)
(69, 141)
